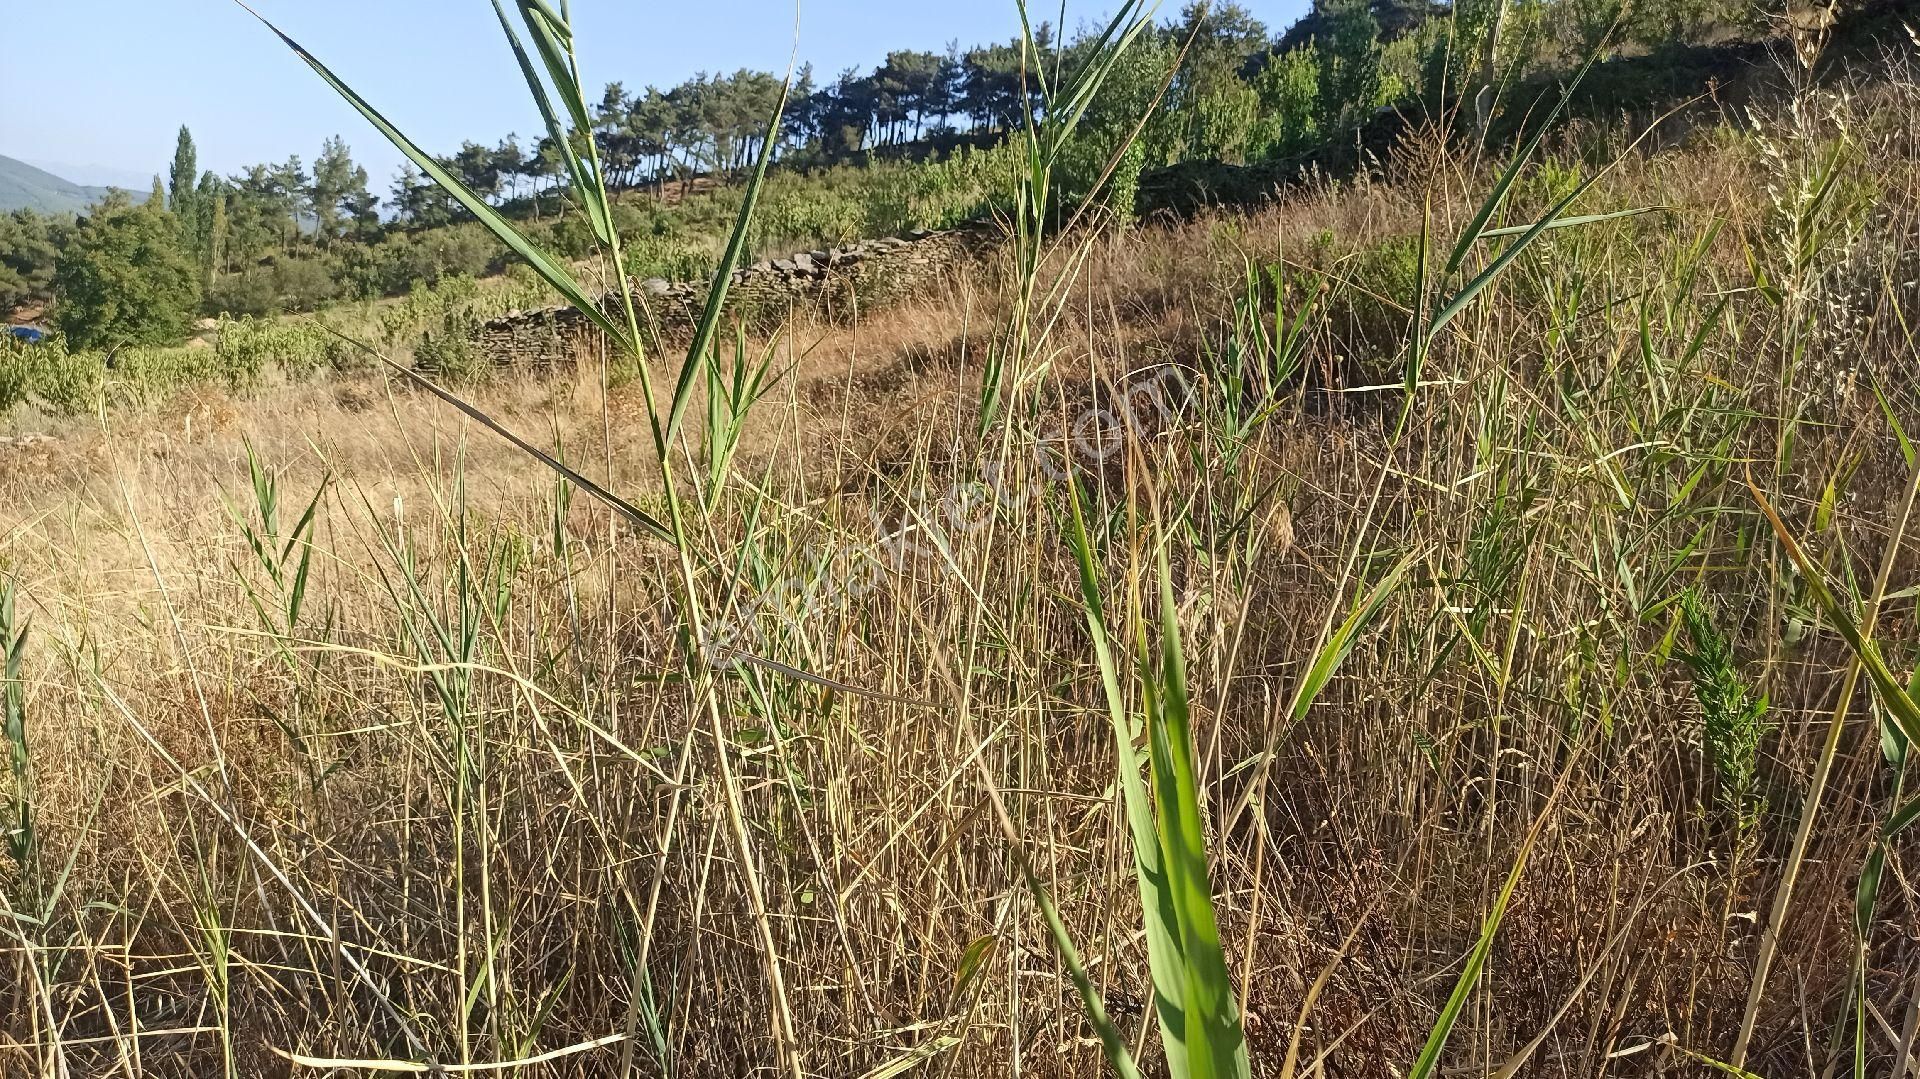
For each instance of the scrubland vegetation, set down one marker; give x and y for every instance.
(919, 141)
(1456, 619)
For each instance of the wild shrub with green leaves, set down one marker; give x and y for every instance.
(449, 350)
(123, 279)
(1734, 718)
(246, 348)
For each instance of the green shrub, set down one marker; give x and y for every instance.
(68, 382)
(304, 284)
(73, 383)
(1734, 718)
(49, 376)
(246, 294)
(247, 347)
(449, 351)
(286, 284)
(19, 363)
(1289, 91)
(1349, 75)
(147, 375)
(1368, 310)
(124, 279)
(465, 249)
(1113, 116)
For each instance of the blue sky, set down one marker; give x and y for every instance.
(97, 88)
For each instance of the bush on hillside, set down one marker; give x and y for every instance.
(247, 294)
(125, 280)
(299, 349)
(284, 284)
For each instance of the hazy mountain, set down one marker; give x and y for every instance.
(23, 187)
(94, 175)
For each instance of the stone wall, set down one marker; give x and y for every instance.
(826, 283)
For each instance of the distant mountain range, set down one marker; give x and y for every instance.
(24, 187)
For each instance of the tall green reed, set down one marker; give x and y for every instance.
(21, 845)
(1055, 101)
(543, 44)
(1195, 999)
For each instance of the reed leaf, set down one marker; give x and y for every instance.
(1893, 696)
(1216, 1045)
(1498, 266)
(723, 275)
(1498, 195)
(1161, 916)
(587, 193)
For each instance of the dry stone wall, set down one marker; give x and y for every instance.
(826, 282)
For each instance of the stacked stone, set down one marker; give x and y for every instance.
(766, 292)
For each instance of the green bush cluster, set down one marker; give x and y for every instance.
(247, 347)
(51, 376)
(448, 350)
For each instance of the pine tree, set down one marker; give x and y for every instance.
(209, 195)
(216, 240)
(336, 182)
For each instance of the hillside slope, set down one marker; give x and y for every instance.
(24, 187)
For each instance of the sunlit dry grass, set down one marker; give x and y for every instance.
(466, 758)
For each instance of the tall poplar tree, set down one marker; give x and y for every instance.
(180, 181)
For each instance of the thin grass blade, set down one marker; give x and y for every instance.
(1427, 1064)
(1574, 222)
(723, 276)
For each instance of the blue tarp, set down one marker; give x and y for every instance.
(32, 335)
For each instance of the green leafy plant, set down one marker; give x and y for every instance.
(1735, 720)
(125, 280)
(733, 386)
(13, 723)
(283, 555)
(1193, 997)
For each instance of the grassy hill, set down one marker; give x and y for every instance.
(1416, 620)
(24, 187)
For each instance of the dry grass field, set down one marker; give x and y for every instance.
(345, 730)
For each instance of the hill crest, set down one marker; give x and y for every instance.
(27, 187)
